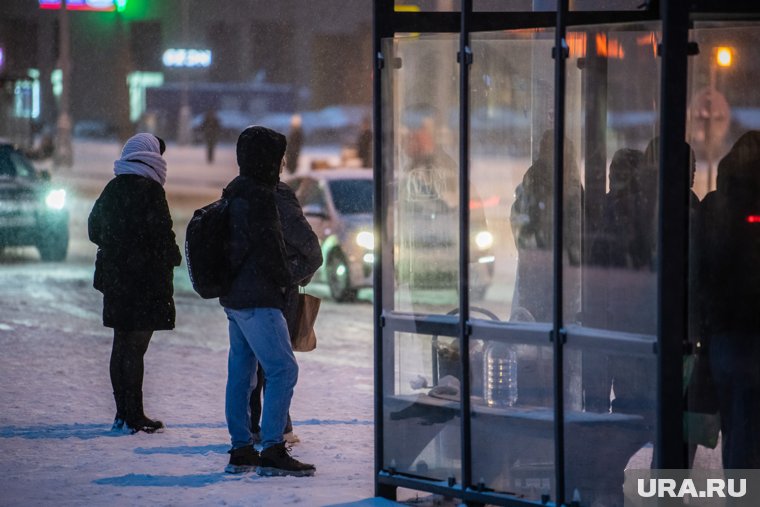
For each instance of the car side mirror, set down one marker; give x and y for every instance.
(45, 175)
(315, 210)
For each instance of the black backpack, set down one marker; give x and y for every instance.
(206, 249)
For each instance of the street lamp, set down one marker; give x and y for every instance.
(723, 56)
(63, 151)
(185, 113)
(717, 107)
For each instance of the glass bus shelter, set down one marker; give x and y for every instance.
(552, 256)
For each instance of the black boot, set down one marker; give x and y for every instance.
(277, 461)
(136, 420)
(242, 460)
(118, 420)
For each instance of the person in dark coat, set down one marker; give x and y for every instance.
(628, 234)
(364, 143)
(137, 253)
(295, 141)
(304, 258)
(532, 221)
(254, 306)
(728, 256)
(211, 129)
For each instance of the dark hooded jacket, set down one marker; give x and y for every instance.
(627, 239)
(304, 254)
(728, 243)
(257, 249)
(137, 252)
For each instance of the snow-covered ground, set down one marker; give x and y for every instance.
(55, 395)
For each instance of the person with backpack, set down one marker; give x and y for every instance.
(136, 257)
(254, 306)
(304, 259)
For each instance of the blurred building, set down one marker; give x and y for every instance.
(258, 55)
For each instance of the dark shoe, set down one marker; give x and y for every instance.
(118, 423)
(242, 460)
(146, 425)
(276, 461)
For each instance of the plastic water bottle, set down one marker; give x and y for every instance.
(500, 375)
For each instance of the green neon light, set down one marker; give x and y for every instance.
(121, 5)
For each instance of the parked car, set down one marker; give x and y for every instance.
(338, 205)
(33, 211)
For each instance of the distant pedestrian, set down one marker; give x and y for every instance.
(211, 129)
(254, 306)
(304, 258)
(364, 143)
(137, 253)
(295, 140)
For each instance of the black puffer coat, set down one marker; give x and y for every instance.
(137, 253)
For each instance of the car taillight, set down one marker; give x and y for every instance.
(753, 219)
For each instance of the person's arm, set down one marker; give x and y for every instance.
(301, 243)
(160, 223)
(94, 223)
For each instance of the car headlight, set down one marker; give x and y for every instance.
(366, 239)
(484, 240)
(56, 199)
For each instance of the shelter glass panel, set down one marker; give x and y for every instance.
(511, 217)
(421, 97)
(421, 406)
(511, 221)
(609, 259)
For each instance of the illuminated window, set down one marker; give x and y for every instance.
(83, 5)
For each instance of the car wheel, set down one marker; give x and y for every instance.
(339, 279)
(54, 246)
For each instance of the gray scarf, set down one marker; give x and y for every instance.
(141, 156)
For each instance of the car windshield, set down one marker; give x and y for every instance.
(352, 197)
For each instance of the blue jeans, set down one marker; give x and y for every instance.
(259, 334)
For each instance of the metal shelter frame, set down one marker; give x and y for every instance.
(676, 18)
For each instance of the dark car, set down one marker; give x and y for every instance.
(32, 210)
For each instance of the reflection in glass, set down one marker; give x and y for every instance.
(423, 97)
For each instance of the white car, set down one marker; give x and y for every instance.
(338, 205)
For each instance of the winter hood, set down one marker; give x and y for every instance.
(259, 154)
